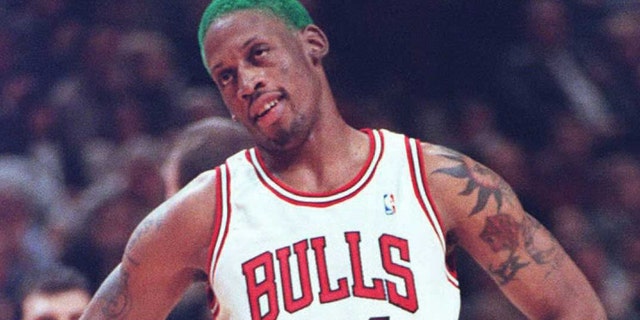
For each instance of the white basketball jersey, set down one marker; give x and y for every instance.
(373, 249)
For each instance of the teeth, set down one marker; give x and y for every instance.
(271, 104)
(268, 106)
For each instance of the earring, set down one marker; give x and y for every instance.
(234, 118)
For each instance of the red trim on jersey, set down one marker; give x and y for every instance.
(369, 164)
(425, 185)
(425, 182)
(415, 183)
(219, 213)
(453, 274)
(217, 219)
(214, 306)
(226, 227)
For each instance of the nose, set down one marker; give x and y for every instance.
(250, 79)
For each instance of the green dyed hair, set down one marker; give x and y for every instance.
(291, 12)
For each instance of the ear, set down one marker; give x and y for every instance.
(314, 42)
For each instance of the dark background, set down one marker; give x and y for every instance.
(546, 93)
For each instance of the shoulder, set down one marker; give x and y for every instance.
(445, 166)
(195, 200)
(462, 187)
(193, 207)
(180, 227)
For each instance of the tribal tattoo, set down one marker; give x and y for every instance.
(502, 232)
(479, 177)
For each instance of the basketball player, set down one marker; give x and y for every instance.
(323, 221)
(58, 293)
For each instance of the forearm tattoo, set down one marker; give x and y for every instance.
(478, 177)
(502, 232)
(116, 299)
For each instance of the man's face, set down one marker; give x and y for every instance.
(266, 76)
(67, 305)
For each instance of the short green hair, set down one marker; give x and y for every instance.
(291, 12)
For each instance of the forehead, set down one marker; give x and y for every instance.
(238, 27)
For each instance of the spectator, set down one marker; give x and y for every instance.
(97, 249)
(547, 74)
(202, 146)
(57, 293)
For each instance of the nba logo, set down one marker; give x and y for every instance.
(389, 204)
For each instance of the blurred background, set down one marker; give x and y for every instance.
(545, 92)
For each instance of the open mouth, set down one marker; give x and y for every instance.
(266, 105)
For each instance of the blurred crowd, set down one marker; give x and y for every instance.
(545, 92)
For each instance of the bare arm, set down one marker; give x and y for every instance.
(483, 214)
(165, 254)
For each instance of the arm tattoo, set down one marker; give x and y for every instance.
(542, 253)
(117, 299)
(451, 241)
(503, 233)
(146, 227)
(479, 177)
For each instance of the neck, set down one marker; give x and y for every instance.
(331, 156)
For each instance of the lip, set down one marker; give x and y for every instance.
(263, 104)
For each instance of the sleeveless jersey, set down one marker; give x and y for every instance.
(373, 249)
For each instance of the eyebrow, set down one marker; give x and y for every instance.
(248, 42)
(244, 45)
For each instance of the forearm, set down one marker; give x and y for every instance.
(554, 291)
(577, 309)
(580, 301)
(586, 311)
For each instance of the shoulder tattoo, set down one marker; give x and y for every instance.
(478, 177)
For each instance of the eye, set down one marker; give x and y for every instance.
(225, 77)
(259, 52)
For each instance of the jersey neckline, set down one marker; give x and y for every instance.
(324, 199)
